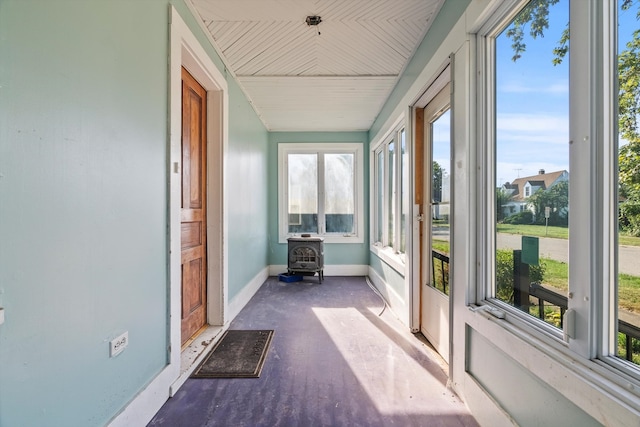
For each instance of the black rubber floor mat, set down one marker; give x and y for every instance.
(238, 354)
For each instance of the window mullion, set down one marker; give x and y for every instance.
(583, 212)
(398, 193)
(383, 193)
(378, 216)
(355, 194)
(322, 227)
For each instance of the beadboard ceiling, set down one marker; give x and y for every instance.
(331, 77)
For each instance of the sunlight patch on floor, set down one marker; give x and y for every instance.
(387, 373)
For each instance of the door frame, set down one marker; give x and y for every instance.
(432, 301)
(186, 51)
(442, 77)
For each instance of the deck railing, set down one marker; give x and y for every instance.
(544, 295)
(441, 260)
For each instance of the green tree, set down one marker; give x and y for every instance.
(502, 198)
(436, 180)
(629, 154)
(557, 199)
(535, 18)
(629, 90)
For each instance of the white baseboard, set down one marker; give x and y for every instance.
(329, 270)
(240, 300)
(148, 402)
(274, 270)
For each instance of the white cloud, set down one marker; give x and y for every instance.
(529, 128)
(532, 122)
(558, 87)
(527, 143)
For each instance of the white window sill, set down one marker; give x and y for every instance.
(390, 257)
(329, 238)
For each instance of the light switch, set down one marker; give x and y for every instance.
(1, 315)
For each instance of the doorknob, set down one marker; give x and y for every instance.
(420, 217)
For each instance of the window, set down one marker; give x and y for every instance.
(320, 191)
(529, 138)
(391, 178)
(582, 161)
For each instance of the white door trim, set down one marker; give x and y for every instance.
(440, 78)
(185, 50)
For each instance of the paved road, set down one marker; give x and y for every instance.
(557, 249)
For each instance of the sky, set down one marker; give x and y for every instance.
(532, 97)
(532, 102)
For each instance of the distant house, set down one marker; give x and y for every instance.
(521, 189)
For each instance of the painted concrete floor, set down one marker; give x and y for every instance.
(333, 361)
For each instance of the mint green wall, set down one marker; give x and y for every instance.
(515, 384)
(83, 204)
(247, 196)
(390, 276)
(343, 254)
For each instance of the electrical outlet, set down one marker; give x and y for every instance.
(116, 346)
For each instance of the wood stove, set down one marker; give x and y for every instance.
(306, 256)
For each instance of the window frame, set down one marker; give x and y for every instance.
(321, 149)
(386, 250)
(486, 117)
(592, 293)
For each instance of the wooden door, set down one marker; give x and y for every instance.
(193, 212)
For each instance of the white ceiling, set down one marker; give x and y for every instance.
(332, 77)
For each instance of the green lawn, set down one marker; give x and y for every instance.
(440, 245)
(557, 275)
(629, 292)
(555, 232)
(535, 230)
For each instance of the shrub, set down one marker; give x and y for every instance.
(630, 217)
(635, 348)
(504, 274)
(525, 217)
